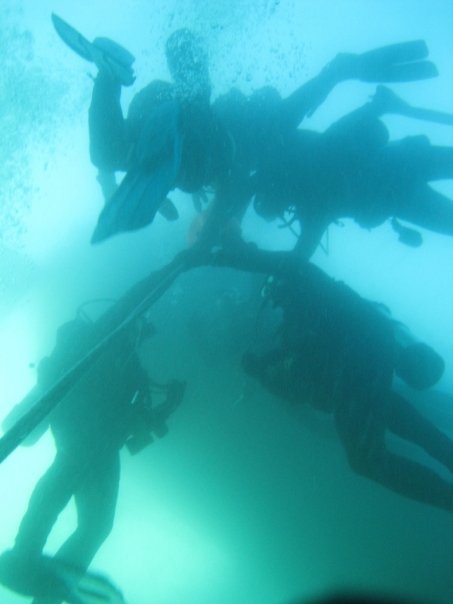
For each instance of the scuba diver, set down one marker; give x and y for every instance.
(352, 170)
(339, 353)
(262, 125)
(109, 407)
(168, 140)
(173, 137)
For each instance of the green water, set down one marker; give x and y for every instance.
(244, 501)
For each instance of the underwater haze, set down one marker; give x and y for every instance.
(243, 501)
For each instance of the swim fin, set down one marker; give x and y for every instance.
(47, 578)
(403, 62)
(103, 52)
(401, 52)
(155, 167)
(388, 102)
(135, 203)
(86, 587)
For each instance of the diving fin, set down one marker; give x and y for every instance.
(401, 72)
(388, 102)
(155, 167)
(72, 38)
(50, 579)
(86, 587)
(402, 52)
(135, 203)
(103, 52)
(428, 115)
(403, 62)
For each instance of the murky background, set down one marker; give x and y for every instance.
(242, 501)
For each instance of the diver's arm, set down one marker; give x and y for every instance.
(107, 127)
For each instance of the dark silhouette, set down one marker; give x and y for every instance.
(339, 353)
(109, 407)
(173, 137)
(166, 141)
(352, 170)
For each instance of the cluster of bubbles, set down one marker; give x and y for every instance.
(30, 101)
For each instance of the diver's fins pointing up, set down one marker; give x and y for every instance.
(388, 102)
(105, 53)
(403, 62)
(135, 203)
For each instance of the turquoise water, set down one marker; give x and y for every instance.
(243, 501)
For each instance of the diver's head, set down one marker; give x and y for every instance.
(187, 61)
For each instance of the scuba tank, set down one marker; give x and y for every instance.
(416, 363)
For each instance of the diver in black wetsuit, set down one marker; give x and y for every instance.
(339, 353)
(166, 141)
(109, 407)
(263, 124)
(173, 137)
(353, 171)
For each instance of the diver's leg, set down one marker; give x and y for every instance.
(108, 145)
(405, 421)
(410, 479)
(360, 129)
(23, 568)
(434, 162)
(96, 504)
(50, 496)
(362, 436)
(417, 160)
(427, 208)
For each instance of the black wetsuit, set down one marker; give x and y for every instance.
(90, 426)
(353, 171)
(118, 143)
(222, 143)
(338, 354)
